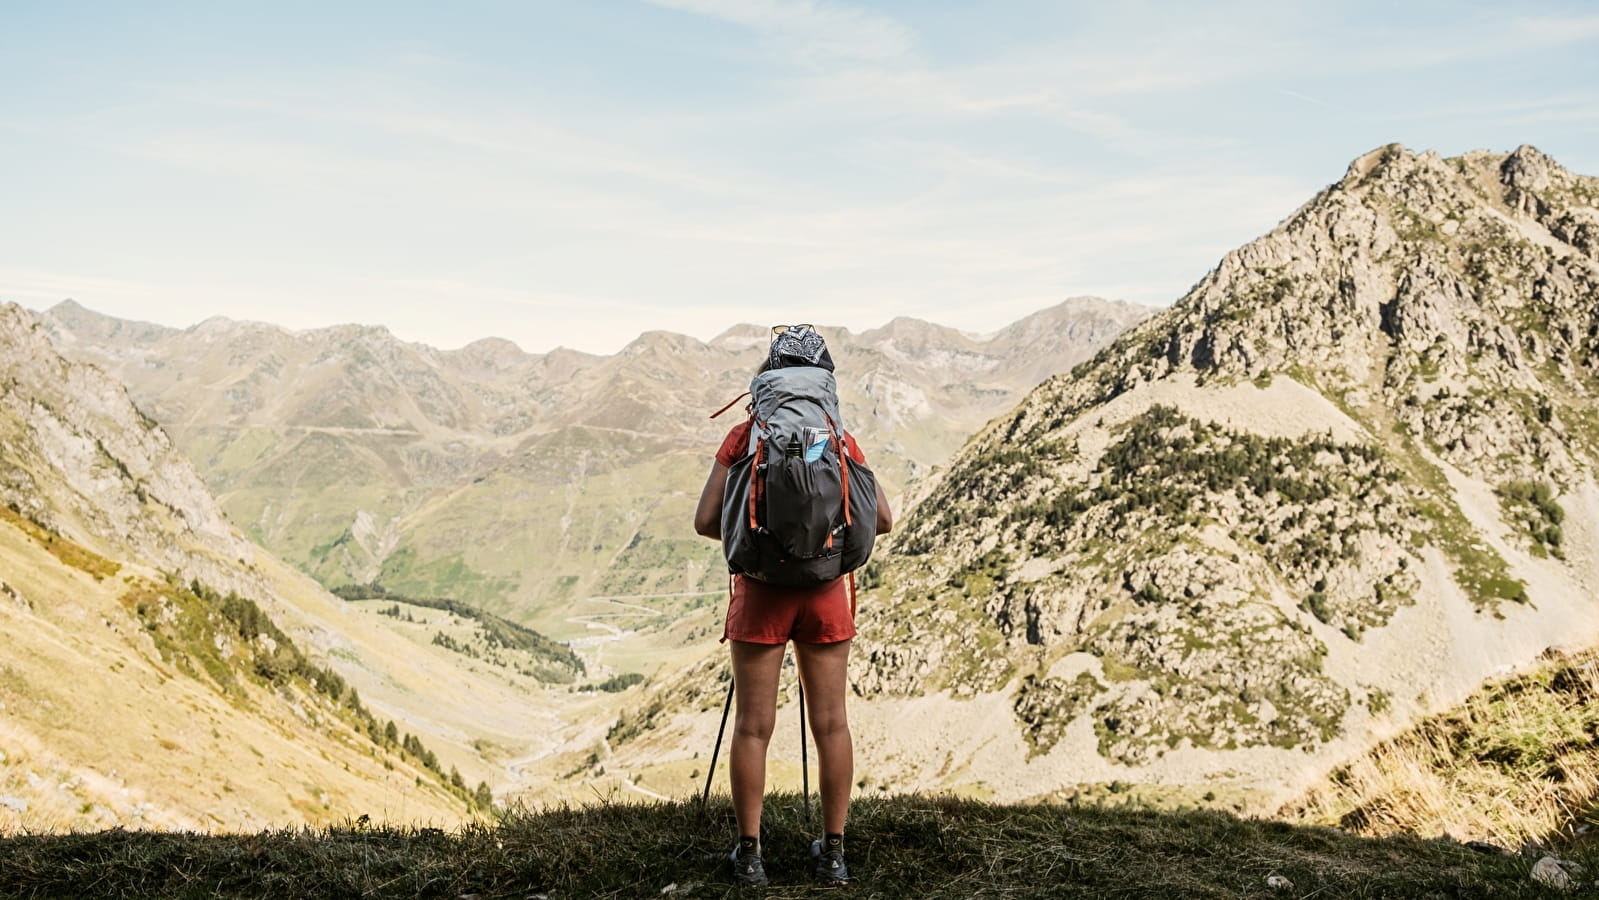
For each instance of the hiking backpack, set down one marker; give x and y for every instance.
(798, 511)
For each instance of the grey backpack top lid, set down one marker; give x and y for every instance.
(786, 400)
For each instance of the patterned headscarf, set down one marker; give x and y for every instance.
(799, 346)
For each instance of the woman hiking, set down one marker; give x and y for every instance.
(763, 616)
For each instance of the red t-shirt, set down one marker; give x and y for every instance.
(737, 444)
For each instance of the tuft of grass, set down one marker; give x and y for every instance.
(903, 846)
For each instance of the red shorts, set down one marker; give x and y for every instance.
(761, 613)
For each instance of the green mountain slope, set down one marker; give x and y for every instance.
(1513, 764)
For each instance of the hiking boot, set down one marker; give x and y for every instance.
(827, 866)
(747, 869)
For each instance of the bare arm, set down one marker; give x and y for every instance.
(708, 515)
(885, 516)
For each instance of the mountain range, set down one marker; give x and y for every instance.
(519, 482)
(1219, 550)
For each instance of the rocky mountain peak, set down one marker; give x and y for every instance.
(661, 342)
(372, 336)
(1077, 316)
(496, 356)
(908, 335)
(71, 320)
(1528, 169)
(742, 337)
(493, 347)
(73, 312)
(1392, 164)
(211, 325)
(1479, 269)
(562, 362)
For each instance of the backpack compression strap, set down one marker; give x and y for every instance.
(843, 468)
(843, 465)
(757, 485)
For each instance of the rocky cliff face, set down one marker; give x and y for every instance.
(525, 481)
(81, 460)
(1343, 479)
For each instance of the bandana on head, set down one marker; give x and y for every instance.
(800, 347)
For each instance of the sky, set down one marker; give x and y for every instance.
(575, 173)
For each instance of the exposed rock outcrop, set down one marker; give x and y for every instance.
(80, 459)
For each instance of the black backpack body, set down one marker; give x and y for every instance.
(797, 511)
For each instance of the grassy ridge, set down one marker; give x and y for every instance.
(1516, 761)
(906, 846)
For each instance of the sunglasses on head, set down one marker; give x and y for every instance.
(779, 329)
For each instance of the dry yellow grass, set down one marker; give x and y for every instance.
(68, 552)
(1517, 762)
(97, 730)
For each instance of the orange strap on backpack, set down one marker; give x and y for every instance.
(843, 467)
(730, 405)
(757, 492)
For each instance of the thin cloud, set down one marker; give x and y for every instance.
(1553, 108)
(176, 304)
(811, 32)
(952, 159)
(52, 287)
(1474, 41)
(509, 134)
(1305, 97)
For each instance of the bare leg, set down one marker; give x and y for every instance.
(755, 674)
(823, 671)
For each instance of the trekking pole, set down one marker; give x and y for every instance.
(705, 801)
(805, 765)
